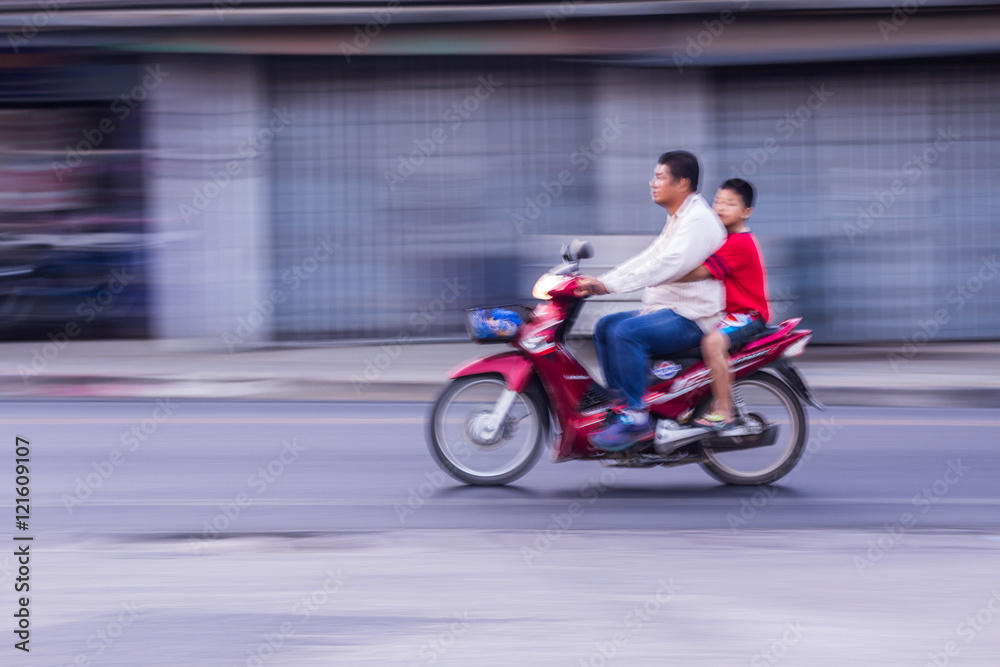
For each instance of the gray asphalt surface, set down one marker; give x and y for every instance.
(323, 533)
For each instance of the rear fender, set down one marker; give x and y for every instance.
(790, 375)
(783, 330)
(516, 370)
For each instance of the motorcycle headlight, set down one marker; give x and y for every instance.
(546, 284)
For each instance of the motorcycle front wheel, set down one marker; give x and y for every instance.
(467, 442)
(770, 401)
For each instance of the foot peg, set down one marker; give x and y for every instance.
(670, 435)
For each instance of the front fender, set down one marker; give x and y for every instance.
(516, 370)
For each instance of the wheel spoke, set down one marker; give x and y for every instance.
(772, 404)
(469, 443)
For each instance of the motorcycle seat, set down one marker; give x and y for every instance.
(690, 354)
(693, 354)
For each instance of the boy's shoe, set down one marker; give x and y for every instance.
(621, 434)
(715, 421)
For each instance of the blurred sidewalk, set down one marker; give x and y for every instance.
(942, 374)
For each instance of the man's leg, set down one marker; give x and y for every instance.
(633, 341)
(643, 336)
(603, 332)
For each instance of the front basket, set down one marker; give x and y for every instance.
(497, 324)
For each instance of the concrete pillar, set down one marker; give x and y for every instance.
(207, 140)
(659, 110)
(641, 113)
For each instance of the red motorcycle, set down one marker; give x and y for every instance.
(490, 424)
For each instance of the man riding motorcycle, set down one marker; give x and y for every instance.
(674, 315)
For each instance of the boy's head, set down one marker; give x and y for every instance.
(734, 203)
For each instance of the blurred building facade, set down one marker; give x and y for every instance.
(365, 171)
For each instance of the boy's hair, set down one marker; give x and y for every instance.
(682, 165)
(742, 188)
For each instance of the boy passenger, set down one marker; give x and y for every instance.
(740, 265)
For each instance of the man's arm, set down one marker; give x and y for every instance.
(635, 263)
(667, 259)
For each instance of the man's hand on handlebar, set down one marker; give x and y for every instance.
(587, 286)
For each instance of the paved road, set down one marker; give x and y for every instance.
(316, 533)
(312, 467)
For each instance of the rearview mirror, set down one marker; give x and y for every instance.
(581, 249)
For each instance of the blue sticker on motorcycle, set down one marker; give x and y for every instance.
(665, 370)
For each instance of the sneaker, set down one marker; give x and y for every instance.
(621, 434)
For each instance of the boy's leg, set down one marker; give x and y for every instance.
(715, 350)
(715, 346)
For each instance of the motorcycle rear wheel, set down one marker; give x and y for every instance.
(455, 432)
(772, 399)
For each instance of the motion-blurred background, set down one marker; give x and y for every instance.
(266, 172)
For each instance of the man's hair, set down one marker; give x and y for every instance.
(682, 165)
(742, 188)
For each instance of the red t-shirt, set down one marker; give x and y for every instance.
(740, 264)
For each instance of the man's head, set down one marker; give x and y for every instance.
(675, 177)
(734, 203)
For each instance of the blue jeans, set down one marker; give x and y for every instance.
(626, 341)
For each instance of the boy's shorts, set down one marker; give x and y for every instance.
(741, 328)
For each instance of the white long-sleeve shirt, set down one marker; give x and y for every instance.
(687, 240)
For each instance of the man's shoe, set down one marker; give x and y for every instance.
(621, 434)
